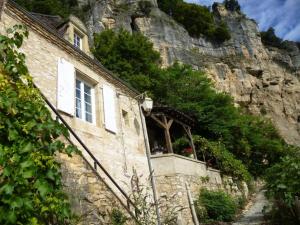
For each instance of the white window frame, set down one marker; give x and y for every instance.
(83, 111)
(80, 39)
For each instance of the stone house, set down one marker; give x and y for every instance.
(104, 112)
(101, 109)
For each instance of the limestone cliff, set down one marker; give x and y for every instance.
(263, 80)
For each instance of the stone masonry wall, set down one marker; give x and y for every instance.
(173, 172)
(90, 197)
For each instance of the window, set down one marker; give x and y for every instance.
(84, 101)
(77, 40)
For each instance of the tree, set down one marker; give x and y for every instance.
(232, 5)
(269, 38)
(130, 56)
(30, 178)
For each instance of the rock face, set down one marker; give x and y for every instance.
(263, 80)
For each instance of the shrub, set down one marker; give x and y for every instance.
(180, 144)
(227, 162)
(218, 205)
(117, 217)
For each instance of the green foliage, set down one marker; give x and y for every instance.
(283, 180)
(232, 5)
(269, 38)
(145, 7)
(180, 144)
(51, 7)
(227, 162)
(218, 205)
(283, 186)
(130, 56)
(196, 19)
(30, 178)
(117, 217)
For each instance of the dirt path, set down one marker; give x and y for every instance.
(253, 214)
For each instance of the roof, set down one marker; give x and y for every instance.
(48, 23)
(49, 20)
(174, 114)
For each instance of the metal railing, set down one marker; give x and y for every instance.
(96, 162)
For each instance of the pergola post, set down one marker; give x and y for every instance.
(189, 133)
(167, 133)
(165, 124)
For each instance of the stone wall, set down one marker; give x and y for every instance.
(173, 172)
(91, 198)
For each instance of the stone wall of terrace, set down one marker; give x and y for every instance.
(173, 172)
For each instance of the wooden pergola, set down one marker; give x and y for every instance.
(165, 116)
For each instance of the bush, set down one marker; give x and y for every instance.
(180, 144)
(227, 162)
(117, 217)
(196, 19)
(218, 205)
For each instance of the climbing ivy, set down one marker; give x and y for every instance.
(30, 178)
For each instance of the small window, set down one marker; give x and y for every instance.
(125, 117)
(77, 40)
(84, 101)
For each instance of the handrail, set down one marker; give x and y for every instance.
(96, 162)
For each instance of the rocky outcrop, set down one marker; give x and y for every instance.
(263, 80)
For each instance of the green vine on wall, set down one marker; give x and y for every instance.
(30, 179)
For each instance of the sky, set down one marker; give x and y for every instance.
(283, 15)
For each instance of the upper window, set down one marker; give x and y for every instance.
(77, 40)
(84, 101)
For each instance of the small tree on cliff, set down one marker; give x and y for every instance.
(30, 178)
(232, 5)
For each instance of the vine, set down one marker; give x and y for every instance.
(30, 178)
